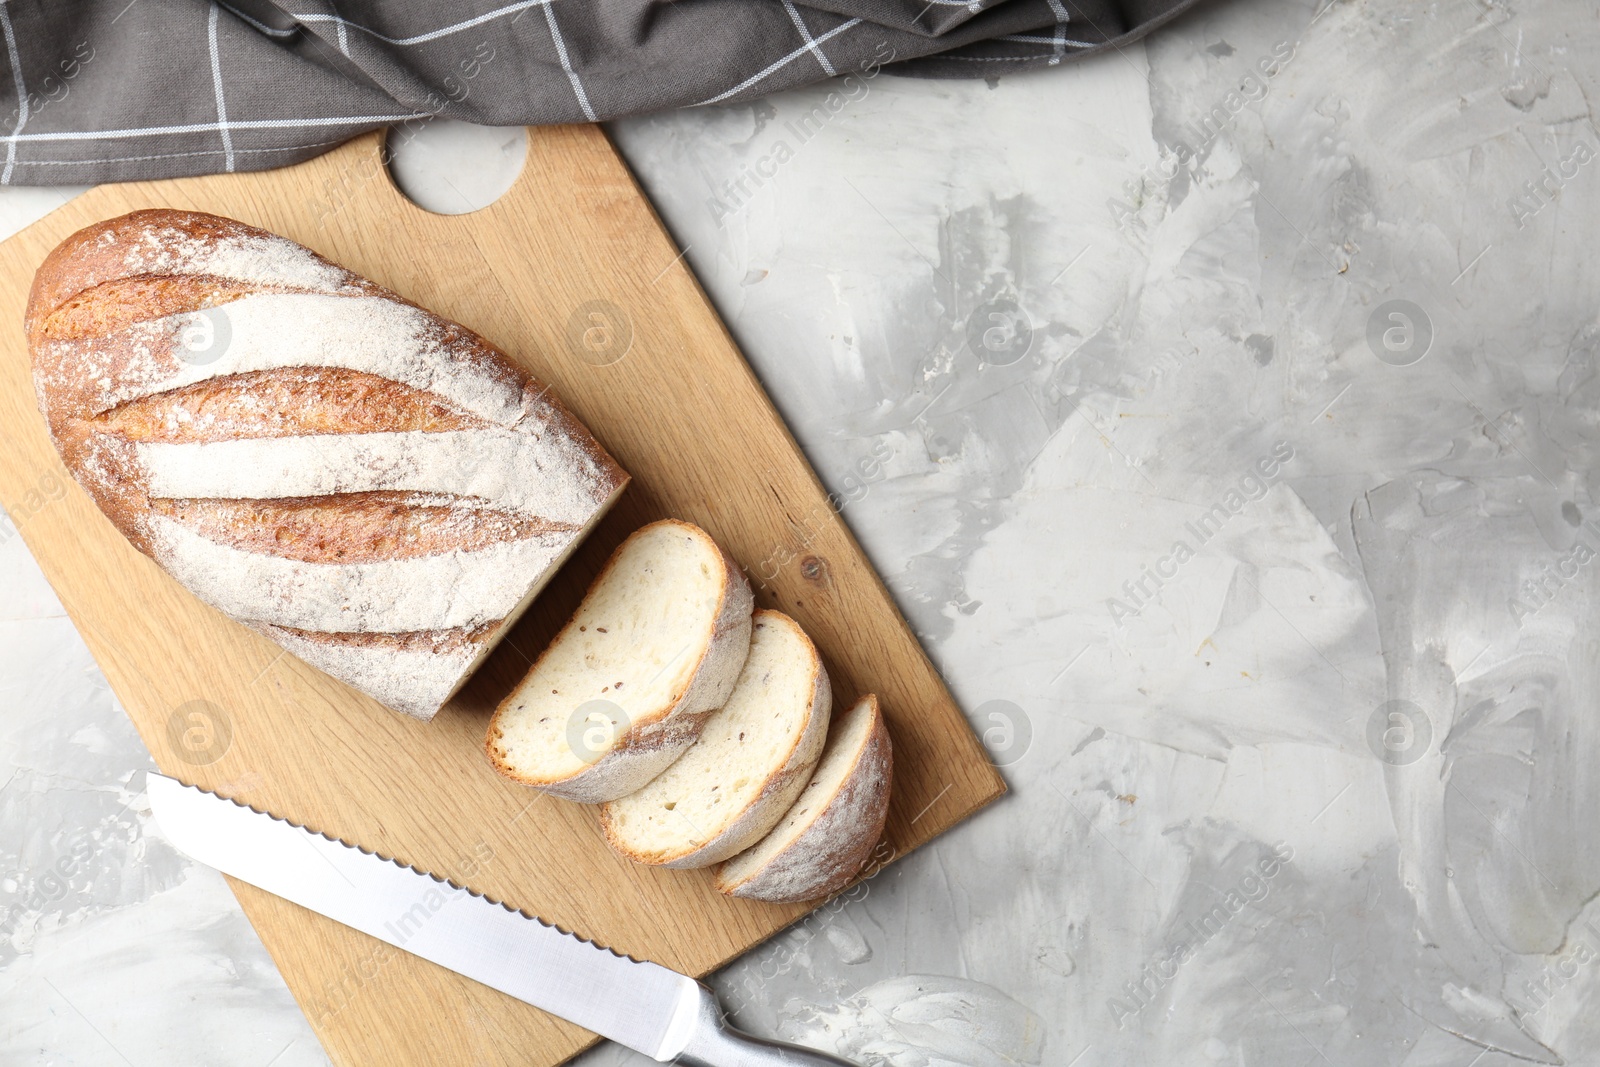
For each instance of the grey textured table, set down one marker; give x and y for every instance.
(1239, 394)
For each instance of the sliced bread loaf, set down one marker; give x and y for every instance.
(628, 683)
(750, 763)
(827, 838)
(377, 489)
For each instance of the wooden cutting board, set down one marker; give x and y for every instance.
(573, 275)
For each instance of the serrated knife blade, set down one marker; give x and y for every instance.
(649, 1008)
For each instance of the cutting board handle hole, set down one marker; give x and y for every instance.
(454, 168)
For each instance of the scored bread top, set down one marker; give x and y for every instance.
(827, 837)
(750, 763)
(627, 684)
(377, 488)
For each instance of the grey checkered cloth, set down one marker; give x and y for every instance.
(112, 90)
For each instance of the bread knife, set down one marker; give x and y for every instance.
(649, 1008)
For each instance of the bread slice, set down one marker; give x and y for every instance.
(628, 683)
(749, 765)
(827, 838)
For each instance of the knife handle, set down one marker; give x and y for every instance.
(713, 1043)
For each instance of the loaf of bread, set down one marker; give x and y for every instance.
(374, 487)
(751, 762)
(826, 840)
(628, 684)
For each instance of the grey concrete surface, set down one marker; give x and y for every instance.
(1238, 394)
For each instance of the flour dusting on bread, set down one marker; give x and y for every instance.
(485, 465)
(255, 258)
(826, 839)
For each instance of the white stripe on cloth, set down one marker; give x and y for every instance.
(260, 27)
(169, 155)
(441, 592)
(805, 34)
(1059, 43)
(779, 65)
(22, 91)
(536, 476)
(1025, 38)
(432, 35)
(212, 127)
(216, 86)
(566, 63)
(989, 59)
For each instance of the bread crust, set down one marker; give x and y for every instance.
(88, 259)
(837, 845)
(778, 792)
(654, 739)
(117, 385)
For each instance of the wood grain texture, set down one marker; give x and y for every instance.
(681, 411)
